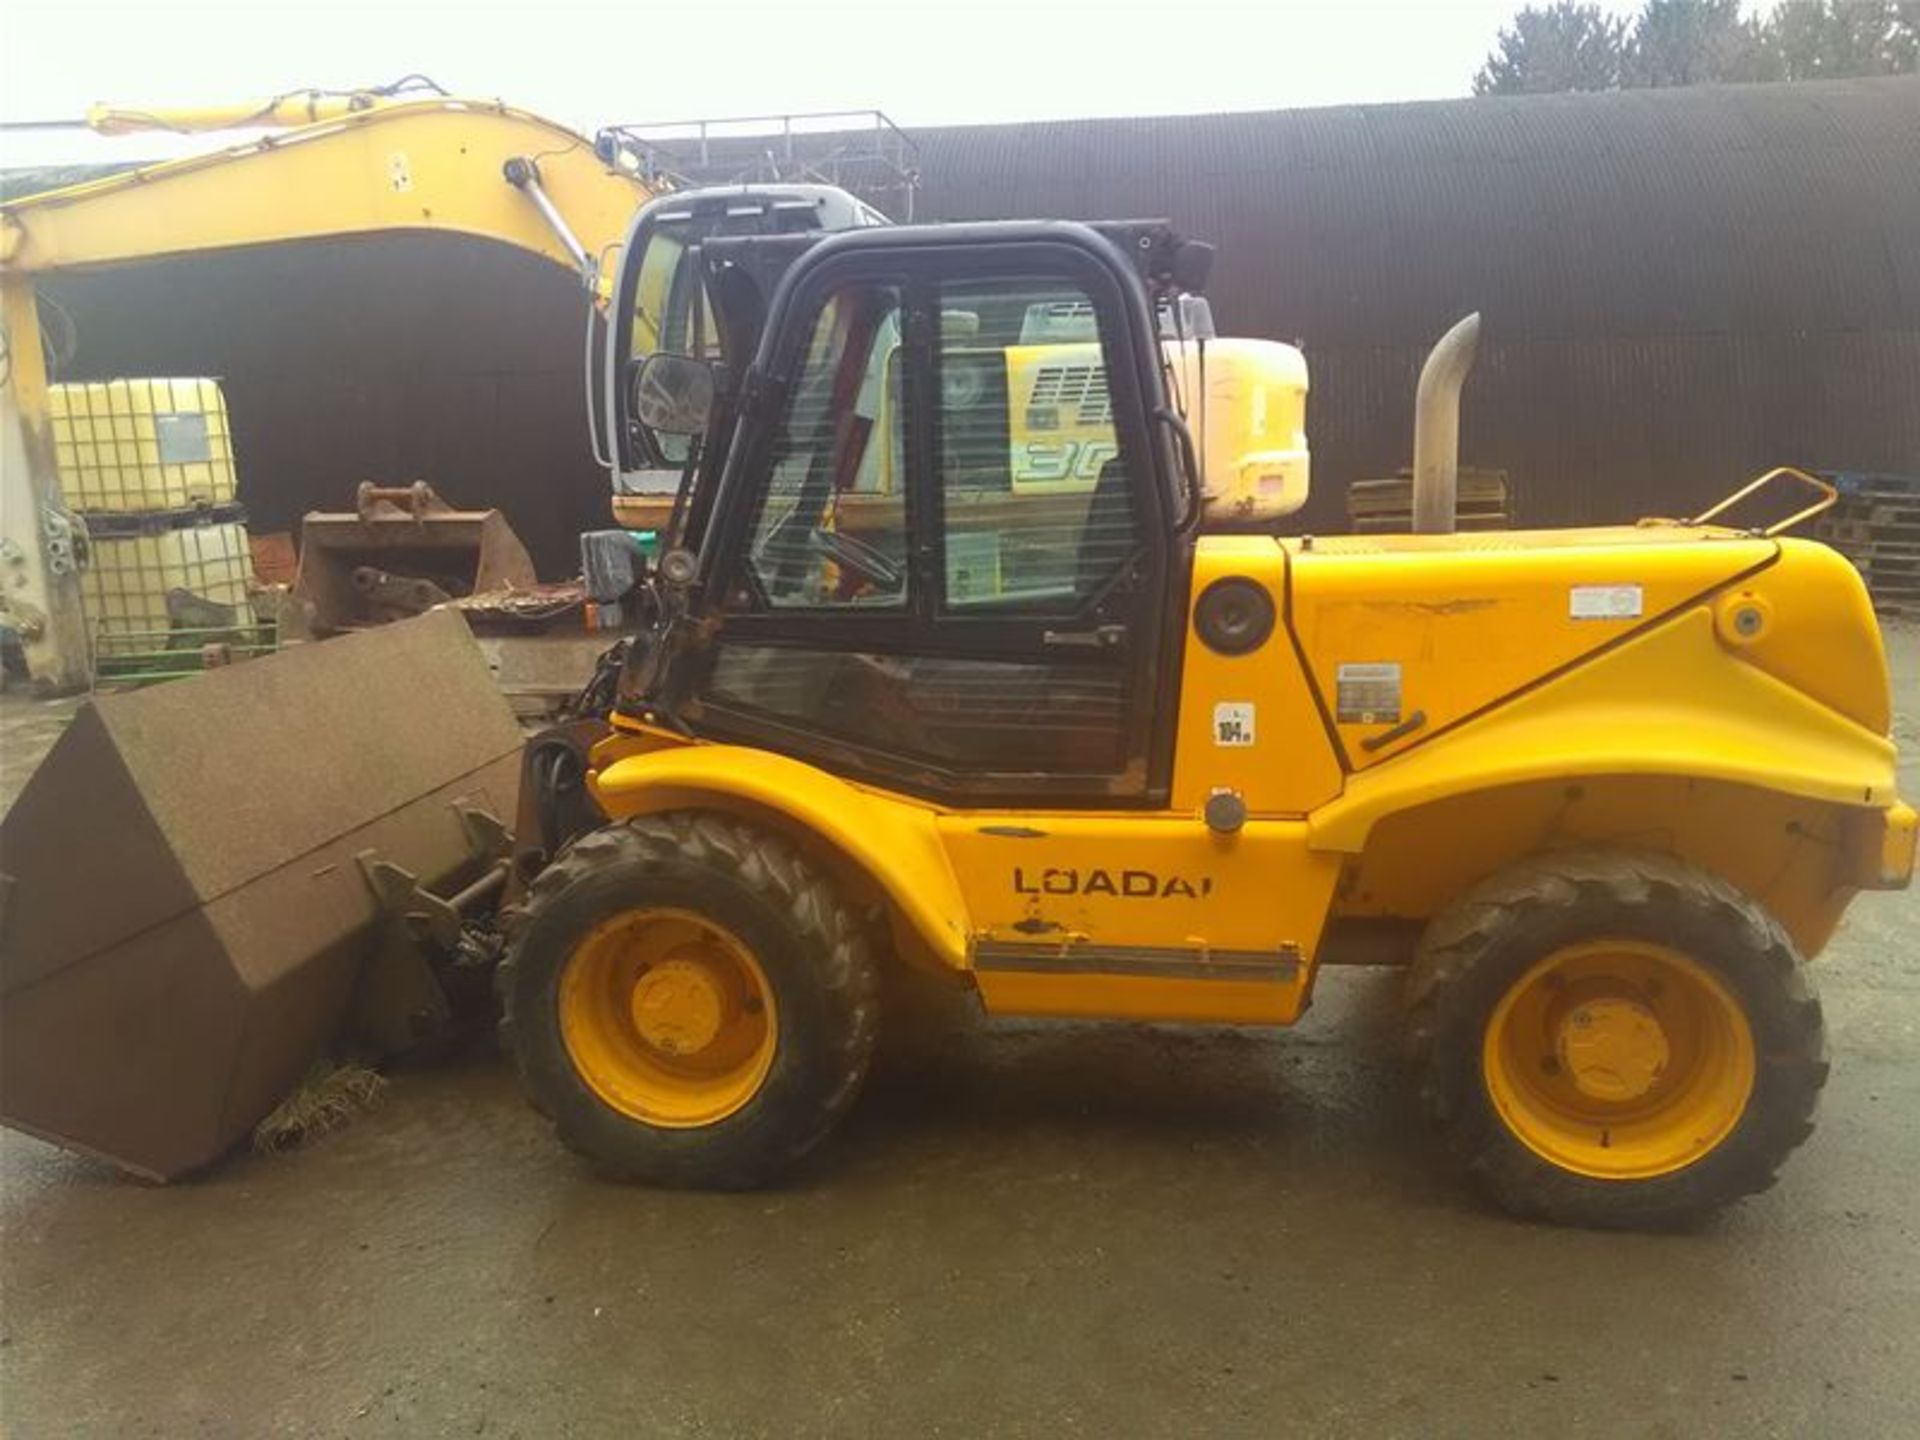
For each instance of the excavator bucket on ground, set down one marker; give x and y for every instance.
(401, 551)
(206, 882)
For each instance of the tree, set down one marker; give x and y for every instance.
(1549, 48)
(1696, 42)
(1825, 39)
(1573, 46)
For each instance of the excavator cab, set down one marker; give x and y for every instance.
(660, 305)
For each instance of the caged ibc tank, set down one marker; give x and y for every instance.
(132, 446)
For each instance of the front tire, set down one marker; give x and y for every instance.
(688, 1000)
(1614, 1039)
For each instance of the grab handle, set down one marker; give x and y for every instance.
(1828, 495)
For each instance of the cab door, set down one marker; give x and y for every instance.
(945, 552)
(946, 557)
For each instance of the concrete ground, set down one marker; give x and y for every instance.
(1044, 1231)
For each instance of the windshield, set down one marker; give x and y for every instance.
(671, 314)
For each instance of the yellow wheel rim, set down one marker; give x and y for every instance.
(668, 1017)
(1619, 1059)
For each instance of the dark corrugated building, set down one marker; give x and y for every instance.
(1680, 287)
(394, 358)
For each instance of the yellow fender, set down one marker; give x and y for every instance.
(893, 841)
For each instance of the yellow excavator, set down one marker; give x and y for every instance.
(325, 167)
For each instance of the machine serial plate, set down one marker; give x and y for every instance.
(1605, 602)
(1368, 694)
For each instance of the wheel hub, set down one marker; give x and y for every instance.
(1612, 1048)
(679, 1006)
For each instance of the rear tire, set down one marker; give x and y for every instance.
(1659, 1131)
(586, 1056)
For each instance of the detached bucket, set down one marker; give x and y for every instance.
(402, 551)
(198, 873)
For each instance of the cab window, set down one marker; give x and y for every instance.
(1037, 508)
(830, 528)
(670, 313)
(670, 308)
(944, 577)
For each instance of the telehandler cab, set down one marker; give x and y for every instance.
(913, 684)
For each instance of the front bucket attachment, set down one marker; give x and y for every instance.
(190, 887)
(400, 552)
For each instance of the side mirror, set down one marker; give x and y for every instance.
(673, 394)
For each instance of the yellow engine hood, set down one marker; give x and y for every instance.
(1406, 635)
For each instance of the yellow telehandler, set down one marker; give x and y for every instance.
(1118, 749)
(972, 645)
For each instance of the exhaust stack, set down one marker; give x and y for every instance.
(1436, 427)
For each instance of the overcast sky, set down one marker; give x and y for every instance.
(924, 62)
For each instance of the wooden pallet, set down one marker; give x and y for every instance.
(1847, 529)
(1403, 524)
(1377, 507)
(1876, 524)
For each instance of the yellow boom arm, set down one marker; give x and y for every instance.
(434, 165)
